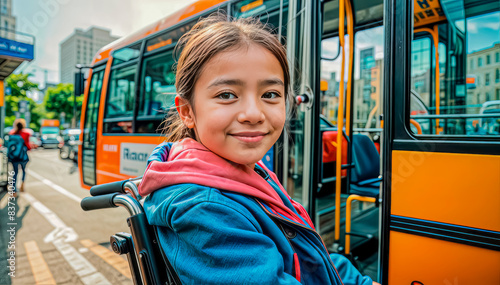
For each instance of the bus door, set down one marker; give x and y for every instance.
(350, 98)
(90, 115)
(300, 144)
(441, 191)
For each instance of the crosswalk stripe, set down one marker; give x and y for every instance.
(41, 271)
(110, 257)
(83, 268)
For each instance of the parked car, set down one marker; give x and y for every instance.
(490, 125)
(69, 144)
(34, 142)
(50, 137)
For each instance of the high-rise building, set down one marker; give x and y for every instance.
(79, 48)
(366, 63)
(7, 20)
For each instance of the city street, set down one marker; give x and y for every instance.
(55, 240)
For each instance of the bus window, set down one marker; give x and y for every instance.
(120, 100)
(367, 83)
(90, 128)
(158, 92)
(267, 11)
(456, 90)
(170, 38)
(126, 54)
(250, 8)
(420, 81)
(368, 78)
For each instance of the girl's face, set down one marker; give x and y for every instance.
(239, 104)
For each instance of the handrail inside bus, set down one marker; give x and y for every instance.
(456, 116)
(435, 38)
(350, 32)
(417, 125)
(340, 122)
(345, 10)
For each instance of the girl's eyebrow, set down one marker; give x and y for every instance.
(238, 82)
(225, 81)
(271, 81)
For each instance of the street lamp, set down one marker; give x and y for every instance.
(78, 88)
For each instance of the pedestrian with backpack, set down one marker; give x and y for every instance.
(17, 150)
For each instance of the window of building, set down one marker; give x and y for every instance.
(497, 75)
(487, 79)
(480, 62)
(497, 57)
(498, 94)
(488, 59)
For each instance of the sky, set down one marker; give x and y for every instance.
(483, 31)
(51, 21)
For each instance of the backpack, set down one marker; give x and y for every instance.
(16, 149)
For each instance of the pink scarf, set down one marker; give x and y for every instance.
(190, 162)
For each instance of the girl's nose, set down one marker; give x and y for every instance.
(251, 112)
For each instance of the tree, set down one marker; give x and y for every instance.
(20, 85)
(59, 100)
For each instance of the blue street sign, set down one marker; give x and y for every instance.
(16, 49)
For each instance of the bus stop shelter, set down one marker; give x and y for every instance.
(15, 48)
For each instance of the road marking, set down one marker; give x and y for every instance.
(41, 271)
(55, 186)
(109, 256)
(61, 229)
(62, 234)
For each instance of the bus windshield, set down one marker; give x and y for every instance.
(50, 130)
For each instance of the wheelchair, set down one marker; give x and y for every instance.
(148, 263)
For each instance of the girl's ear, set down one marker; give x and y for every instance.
(185, 112)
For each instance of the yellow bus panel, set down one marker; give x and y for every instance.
(432, 261)
(460, 189)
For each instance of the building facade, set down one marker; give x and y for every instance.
(7, 20)
(484, 67)
(79, 48)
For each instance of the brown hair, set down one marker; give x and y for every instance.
(207, 38)
(19, 124)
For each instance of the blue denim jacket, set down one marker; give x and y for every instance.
(218, 237)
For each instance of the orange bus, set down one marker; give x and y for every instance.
(393, 72)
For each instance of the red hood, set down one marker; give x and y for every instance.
(190, 162)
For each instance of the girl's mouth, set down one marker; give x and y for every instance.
(249, 137)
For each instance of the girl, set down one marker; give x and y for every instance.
(21, 157)
(223, 217)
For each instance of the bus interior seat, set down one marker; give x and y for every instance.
(329, 142)
(365, 180)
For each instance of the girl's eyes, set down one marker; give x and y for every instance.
(230, 96)
(226, 96)
(271, 95)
